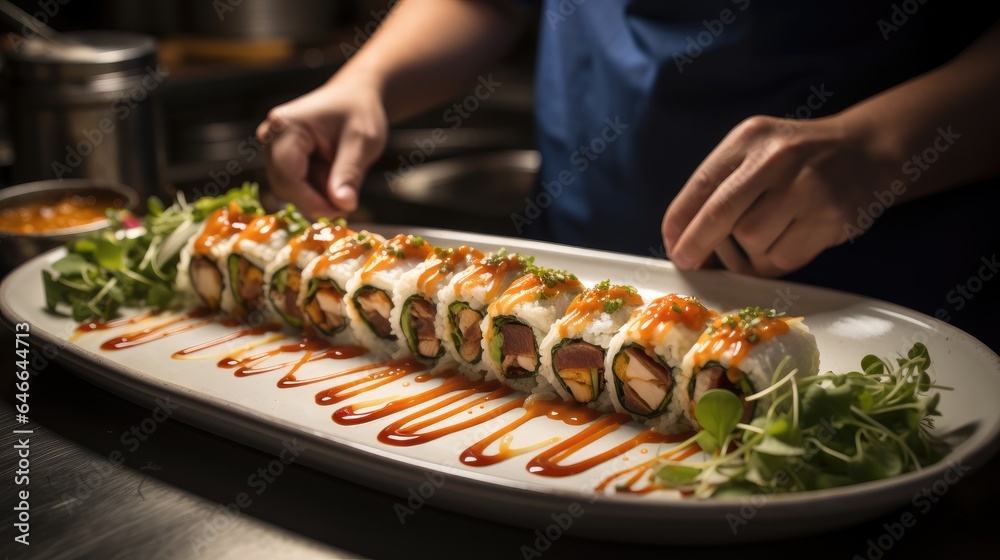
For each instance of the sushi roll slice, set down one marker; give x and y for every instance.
(741, 352)
(283, 276)
(370, 291)
(324, 283)
(519, 320)
(573, 352)
(463, 304)
(255, 248)
(415, 302)
(643, 362)
(202, 268)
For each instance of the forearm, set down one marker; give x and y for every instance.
(956, 102)
(427, 51)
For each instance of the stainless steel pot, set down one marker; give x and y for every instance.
(85, 111)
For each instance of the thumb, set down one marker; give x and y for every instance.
(354, 156)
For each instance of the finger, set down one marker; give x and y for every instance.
(798, 246)
(723, 209)
(288, 169)
(732, 257)
(355, 154)
(719, 164)
(759, 227)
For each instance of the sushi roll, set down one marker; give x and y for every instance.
(370, 291)
(202, 268)
(573, 352)
(519, 320)
(741, 352)
(255, 248)
(643, 362)
(415, 302)
(463, 304)
(283, 276)
(324, 281)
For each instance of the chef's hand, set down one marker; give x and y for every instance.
(772, 196)
(320, 146)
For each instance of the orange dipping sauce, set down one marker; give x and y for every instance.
(67, 212)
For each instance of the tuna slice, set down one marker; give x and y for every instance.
(468, 321)
(520, 356)
(716, 378)
(645, 382)
(326, 310)
(579, 364)
(422, 314)
(207, 281)
(375, 306)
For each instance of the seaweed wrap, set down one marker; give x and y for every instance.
(370, 291)
(202, 268)
(324, 283)
(573, 352)
(741, 352)
(643, 362)
(283, 276)
(255, 248)
(414, 315)
(462, 306)
(518, 321)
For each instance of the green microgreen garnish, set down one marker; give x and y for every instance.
(125, 265)
(816, 432)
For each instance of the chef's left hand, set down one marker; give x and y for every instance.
(783, 190)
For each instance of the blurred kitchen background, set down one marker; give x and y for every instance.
(184, 107)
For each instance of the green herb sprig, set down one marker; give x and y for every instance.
(819, 432)
(126, 265)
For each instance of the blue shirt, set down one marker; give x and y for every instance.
(631, 95)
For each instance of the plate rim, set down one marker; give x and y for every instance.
(204, 409)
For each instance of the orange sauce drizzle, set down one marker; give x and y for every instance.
(738, 334)
(401, 247)
(670, 309)
(407, 430)
(350, 248)
(317, 238)
(490, 273)
(92, 326)
(362, 412)
(461, 396)
(592, 302)
(315, 349)
(530, 288)
(441, 264)
(184, 352)
(221, 224)
(568, 413)
(381, 374)
(160, 331)
(547, 463)
(642, 470)
(259, 229)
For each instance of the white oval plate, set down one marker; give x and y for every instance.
(255, 411)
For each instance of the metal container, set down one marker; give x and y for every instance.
(87, 110)
(16, 248)
(297, 20)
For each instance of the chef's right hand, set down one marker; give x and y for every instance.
(320, 146)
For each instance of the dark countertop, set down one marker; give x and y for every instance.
(169, 498)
